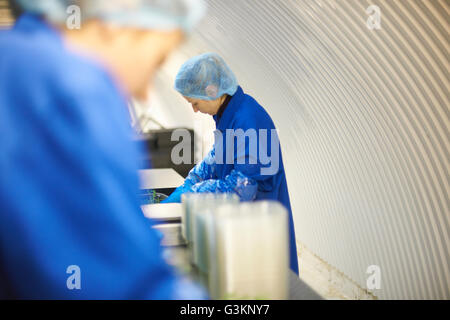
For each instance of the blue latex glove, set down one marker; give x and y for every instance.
(201, 172)
(176, 195)
(235, 182)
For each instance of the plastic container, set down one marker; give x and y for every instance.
(249, 255)
(198, 214)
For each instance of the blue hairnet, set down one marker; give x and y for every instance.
(205, 77)
(145, 14)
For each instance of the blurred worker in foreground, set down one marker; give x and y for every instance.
(70, 224)
(210, 86)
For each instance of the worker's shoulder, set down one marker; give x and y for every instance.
(45, 60)
(254, 114)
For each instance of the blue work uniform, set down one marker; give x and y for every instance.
(244, 112)
(70, 221)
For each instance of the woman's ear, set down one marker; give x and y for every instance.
(211, 91)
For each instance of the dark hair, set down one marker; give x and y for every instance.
(16, 9)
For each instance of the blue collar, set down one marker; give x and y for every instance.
(34, 23)
(230, 110)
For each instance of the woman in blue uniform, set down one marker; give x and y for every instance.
(253, 172)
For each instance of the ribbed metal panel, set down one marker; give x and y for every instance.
(364, 123)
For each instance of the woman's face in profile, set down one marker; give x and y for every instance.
(210, 107)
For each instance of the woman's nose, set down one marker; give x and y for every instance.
(195, 109)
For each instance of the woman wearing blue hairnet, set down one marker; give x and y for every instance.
(253, 170)
(71, 225)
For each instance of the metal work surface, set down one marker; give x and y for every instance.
(159, 179)
(163, 211)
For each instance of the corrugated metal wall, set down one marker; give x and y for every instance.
(364, 123)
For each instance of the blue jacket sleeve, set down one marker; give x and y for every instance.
(69, 197)
(202, 171)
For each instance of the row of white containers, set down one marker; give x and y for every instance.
(239, 249)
